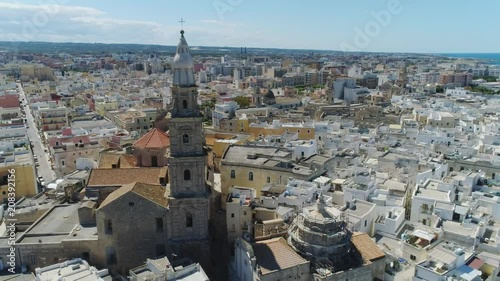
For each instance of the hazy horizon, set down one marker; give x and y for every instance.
(392, 26)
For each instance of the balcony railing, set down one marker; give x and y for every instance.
(48, 122)
(53, 115)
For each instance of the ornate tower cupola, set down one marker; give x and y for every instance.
(185, 98)
(183, 64)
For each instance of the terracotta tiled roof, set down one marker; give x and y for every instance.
(117, 177)
(275, 254)
(127, 161)
(9, 101)
(152, 192)
(108, 159)
(153, 139)
(366, 246)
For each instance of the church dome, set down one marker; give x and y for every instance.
(183, 58)
(183, 65)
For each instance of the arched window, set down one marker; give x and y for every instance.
(187, 175)
(185, 138)
(250, 176)
(233, 174)
(189, 219)
(184, 104)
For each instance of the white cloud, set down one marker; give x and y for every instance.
(63, 23)
(14, 9)
(75, 24)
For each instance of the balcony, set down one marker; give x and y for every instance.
(48, 122)
(53, 115)
(426, 211)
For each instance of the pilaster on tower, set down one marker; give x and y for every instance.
(187, 153)
(184, 89)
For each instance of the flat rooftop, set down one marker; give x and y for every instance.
(458, 228)
(360, 209)
(17, 160)
(72, 270)
(433, 194)
(395, 185)
(442, 257)
(239, 154)
(59, 223)
(179, 270)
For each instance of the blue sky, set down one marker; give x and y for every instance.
(364, 25)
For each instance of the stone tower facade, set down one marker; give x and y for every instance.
(330, 95)
(189, 193)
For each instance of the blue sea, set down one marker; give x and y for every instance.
(489, 58)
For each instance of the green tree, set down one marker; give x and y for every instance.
(488, 78)
(208, 105)
(439, 89)
(242, 101)
(482, 90)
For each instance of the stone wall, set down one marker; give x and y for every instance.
(299, 272)
(134, 236)
(363, 273)
(179, 211)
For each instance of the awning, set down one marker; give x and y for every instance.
(338, 181)
(423, 234)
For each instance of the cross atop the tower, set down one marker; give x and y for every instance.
(182, 21)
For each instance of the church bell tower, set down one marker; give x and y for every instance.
(189, 195)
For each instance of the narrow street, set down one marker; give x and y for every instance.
(44, 169)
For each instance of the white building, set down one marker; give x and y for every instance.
(431, 195)
(359, 187)
(389, 220)
(298, 193)
(225, 110)
(72, 270)
(239, 212)
(165, 270)
(447, 260)
(361, 215)
(302, 149)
